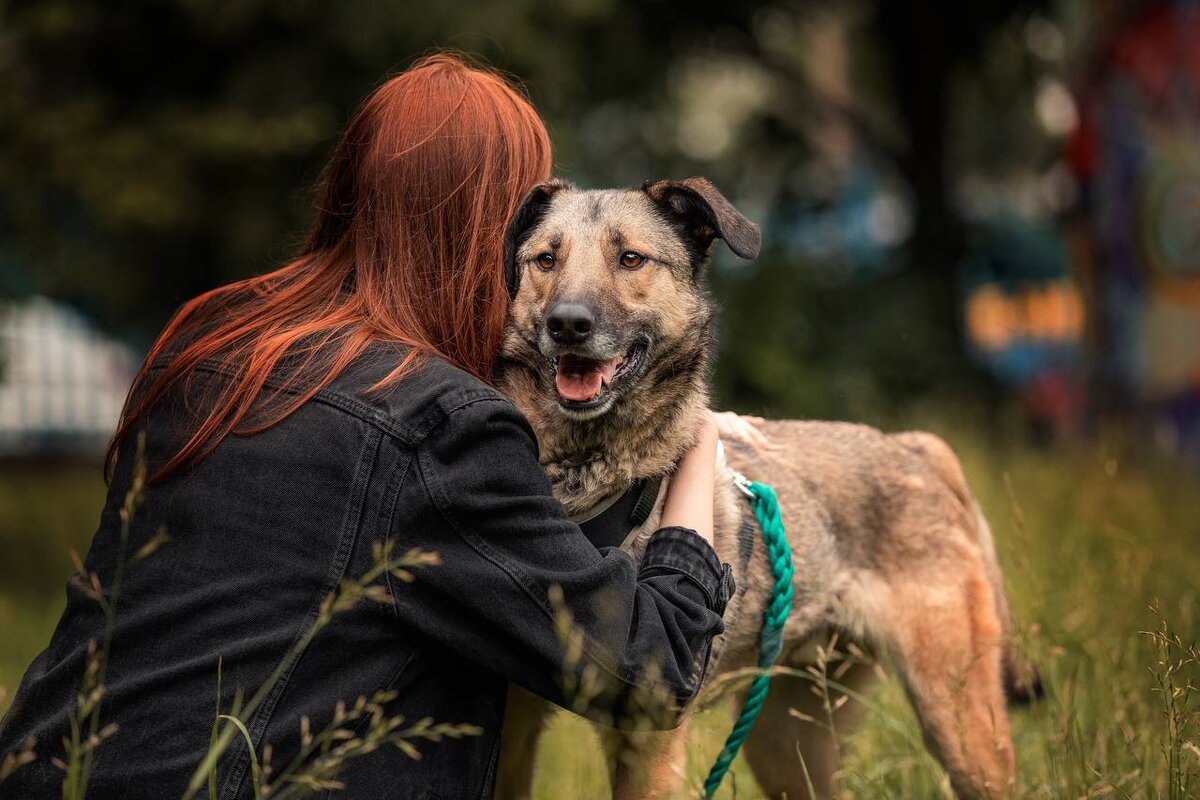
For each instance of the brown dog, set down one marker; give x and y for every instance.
(607, 353)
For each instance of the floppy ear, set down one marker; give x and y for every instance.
(706, 214)
(528, 213)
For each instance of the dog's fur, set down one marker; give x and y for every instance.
(890, 548)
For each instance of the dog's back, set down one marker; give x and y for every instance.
(860, 507)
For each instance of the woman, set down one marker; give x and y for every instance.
(296, 421)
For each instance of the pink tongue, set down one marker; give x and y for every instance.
(578, 387)
(579, 380)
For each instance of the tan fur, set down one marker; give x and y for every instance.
(889, 547)
(646, 765)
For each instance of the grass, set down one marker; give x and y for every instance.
(45, 511)
(355, 730)
(1090, 542)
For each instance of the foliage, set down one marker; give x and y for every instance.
(156, 150)
(353, 731)
(1174, 674)
(323, 754)
(87, 733)
(1088, 539)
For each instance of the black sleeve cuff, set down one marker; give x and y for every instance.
(682, 550)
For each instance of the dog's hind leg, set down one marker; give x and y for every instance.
(1022, 683)
(792, 747)
(525, 716)
(946, 638)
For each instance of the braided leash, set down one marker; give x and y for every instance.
(766, 509)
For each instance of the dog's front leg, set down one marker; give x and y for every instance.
(525, 716)
(646, 765)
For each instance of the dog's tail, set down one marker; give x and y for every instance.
(1022, 682)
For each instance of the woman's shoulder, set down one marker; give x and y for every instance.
(422, 399)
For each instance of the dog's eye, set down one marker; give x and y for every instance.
(545, 261)
(632, 260)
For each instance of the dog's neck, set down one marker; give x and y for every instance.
(643, 435)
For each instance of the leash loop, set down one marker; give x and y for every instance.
(779, 555)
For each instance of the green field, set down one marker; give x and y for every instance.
(1090, 542)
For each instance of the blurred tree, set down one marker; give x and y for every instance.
(153, 150)
(926, 44)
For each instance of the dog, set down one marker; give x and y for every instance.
(606, 353)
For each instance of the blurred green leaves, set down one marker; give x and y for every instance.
(153, 150)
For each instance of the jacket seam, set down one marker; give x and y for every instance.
(437, 495)
(386, 522)
(410, 435)
(489, 777)
(364, 723)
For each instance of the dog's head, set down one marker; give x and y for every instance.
(606, 287)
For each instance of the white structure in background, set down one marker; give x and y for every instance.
(62, 383)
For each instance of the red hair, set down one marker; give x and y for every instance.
(406, 247)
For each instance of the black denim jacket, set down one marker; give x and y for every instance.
(262, 530)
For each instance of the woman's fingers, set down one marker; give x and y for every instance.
(742, 428)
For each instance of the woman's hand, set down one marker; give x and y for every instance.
(742, 428)
(689, 502)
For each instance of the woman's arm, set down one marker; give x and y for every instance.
(505, 543)
(689, 502)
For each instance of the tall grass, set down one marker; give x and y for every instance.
(1101, 554)
(87, 731)
(324, 753)
(1102, 558)
(354, 731)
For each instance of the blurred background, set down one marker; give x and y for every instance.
(982, 218)
(997, 203)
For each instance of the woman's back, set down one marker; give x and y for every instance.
(259, 534)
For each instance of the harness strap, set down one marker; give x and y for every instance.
(630, 510)
(646, 500)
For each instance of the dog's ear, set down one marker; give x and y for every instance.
(706, 214)
(528, 213)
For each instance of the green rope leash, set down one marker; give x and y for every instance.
(766, 509)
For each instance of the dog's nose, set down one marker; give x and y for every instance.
(570, 323)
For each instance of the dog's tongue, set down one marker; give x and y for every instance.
(580, 379)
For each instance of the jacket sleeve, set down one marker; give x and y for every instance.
(638, 639)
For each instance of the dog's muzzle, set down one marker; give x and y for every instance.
(587, 386)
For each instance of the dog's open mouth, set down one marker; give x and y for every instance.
(586, 383)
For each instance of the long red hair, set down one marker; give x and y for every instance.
(406, 247)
